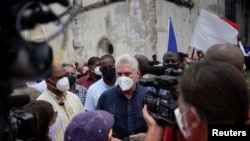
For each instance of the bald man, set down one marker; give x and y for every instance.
(64, 102)
(226, 53)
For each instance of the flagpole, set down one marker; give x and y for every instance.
(241, 48)
(192, 57)
(168, 33)
(188, 50)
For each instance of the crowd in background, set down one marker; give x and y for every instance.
(102, 100)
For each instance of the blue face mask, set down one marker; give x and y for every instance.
(108, 74)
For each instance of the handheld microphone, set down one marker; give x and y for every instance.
(61, 103)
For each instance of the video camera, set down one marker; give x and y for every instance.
(161, 106)
(22, 59)
(21, 126)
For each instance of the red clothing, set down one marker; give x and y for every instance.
(86, 81)
(170, 134)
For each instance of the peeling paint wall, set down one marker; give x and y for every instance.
(133, 26)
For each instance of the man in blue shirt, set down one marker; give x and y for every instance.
(125, 100)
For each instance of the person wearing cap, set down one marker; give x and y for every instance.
(90, 126)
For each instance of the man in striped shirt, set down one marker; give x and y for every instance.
(77, 89)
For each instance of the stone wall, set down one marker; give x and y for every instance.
(128, 26)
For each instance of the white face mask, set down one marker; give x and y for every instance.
(86, 68)
(125, 83)
(63, 84)
(53, 129)
(182, 124)
(97, 71)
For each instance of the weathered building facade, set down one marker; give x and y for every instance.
(131, 26)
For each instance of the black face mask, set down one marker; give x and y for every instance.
(108, 74)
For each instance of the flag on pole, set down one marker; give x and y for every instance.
(172, 45)
(242, 48)
(210, 30)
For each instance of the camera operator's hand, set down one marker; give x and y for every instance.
(139, 136)
(114, 139)
(155, 131)
(148, 118)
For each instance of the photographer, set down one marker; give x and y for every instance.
(170, 60)
(200, 105)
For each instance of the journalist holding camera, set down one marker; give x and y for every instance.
(210, 93)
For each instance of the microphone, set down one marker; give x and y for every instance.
(61, 103)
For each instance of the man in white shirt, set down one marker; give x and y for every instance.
(106, 82)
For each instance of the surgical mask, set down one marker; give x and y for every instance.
(72, 80)
(53, 129)
(125, 83)
(63, 84)
(86, 68)
(186, 132)
(97, 71)
(108, 73)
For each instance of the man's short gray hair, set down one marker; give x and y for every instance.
(126, 58)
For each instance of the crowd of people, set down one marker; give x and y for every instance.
(105, 102)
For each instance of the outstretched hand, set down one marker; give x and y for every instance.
(155, 131)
